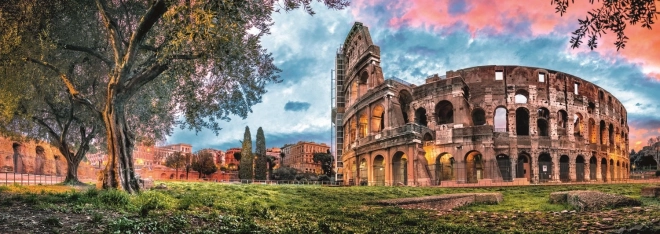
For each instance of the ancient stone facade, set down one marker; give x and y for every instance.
(488, 123)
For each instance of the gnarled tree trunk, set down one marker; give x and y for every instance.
(119, 172)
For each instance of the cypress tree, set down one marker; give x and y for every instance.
(260, 168)
(247, 160)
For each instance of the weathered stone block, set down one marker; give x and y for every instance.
(651, 191)
(592, 200)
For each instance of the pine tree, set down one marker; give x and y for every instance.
(261, 161)
(247, 159)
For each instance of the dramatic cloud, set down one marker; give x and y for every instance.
(296, 106)
(419, 38)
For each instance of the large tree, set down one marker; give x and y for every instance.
(610, 16)
(176, 160)
(261, 161)
(203, 163)
(206, 52)
(246, 165)
(326, 160)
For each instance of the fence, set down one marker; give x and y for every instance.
(274, 182)
(9, 178)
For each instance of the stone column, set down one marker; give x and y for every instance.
(534, 166)
(599, 176)
(572, 170)
(587, 170)
(555, 167)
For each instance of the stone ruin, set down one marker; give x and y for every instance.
(588, 200)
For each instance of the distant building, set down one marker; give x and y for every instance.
(230, 162)
(275, 153)
(300, 156)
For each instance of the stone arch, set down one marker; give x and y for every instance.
(378, 118)
(577, 124)
(591, 107)
(610, 135)
(474, 167)
(564, 163)
(172, 176)
(353, 94)
(420, 116)
(478, 117)
(353, 130)
(379, 170)
(444, 112)
(593, 167)
(545, 167)
(521, 96)
(524, 166)
(428, 137)
(404, 101)
(593, 134)
(562, 120)
(500, 119)
(444, 167)
(182, 176)
(364, 176)
(579, 168)
(603, 169)
(163, 176)
(522, 121)
(504, 164)
(400, 168)
(602, 132)
(363, 127)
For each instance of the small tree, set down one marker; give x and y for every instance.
(237, 156)
(261, 160)
(204, 164)
(246, 170)
(325, 159)
(271, 164)
(176, 160)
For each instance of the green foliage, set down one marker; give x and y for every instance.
(326, 160)
(176, 160)
(284, 173)
(113, 197)
(260, 164)
(152, 200)
(246, 169)
(204, 163)
(52, 222)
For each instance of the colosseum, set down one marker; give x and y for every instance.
(485, 124)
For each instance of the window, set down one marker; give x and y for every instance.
(576, 87)
(541, 77)
(499, 75)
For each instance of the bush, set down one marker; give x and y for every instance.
(324, 178)
(114, 197)
(151, 200)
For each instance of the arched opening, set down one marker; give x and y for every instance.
(163, 176)
(523, 169)
(617, 175)
(522, 122)
(474, 168)
(353, 130)
(577, 124)
(591, 107)
(564, 175)
(579, 168)
(354, 92)
(500, 119)
(182, 176)
(602, 132)
(420, 116)
(603, 169)
(171, 176)
(444, 111)
(379, 170)
(542, 121)
(545, 167)
(427, 137)
(364, 177)
(404, 100)
(611, 135)
(504, 164)
(364, 123)
(444, 167)
(400, 168)
(612, 175)
(364, 78)
(593, 135)
(378, 119)
(479, 117)
(521, 96)
(562, 119)
(593, 165)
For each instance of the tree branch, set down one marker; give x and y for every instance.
(186, 56)
(86, 50)
(65, 79)
(48, 128)
(146, 23)
(113, 31)
(145, 77)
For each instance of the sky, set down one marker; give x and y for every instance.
(419, 38)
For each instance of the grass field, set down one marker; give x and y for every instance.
(223, 208)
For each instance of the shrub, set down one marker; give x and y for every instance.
(114, 197)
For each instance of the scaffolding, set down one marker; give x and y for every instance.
(337, 106)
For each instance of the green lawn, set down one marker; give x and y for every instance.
(221, 208)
